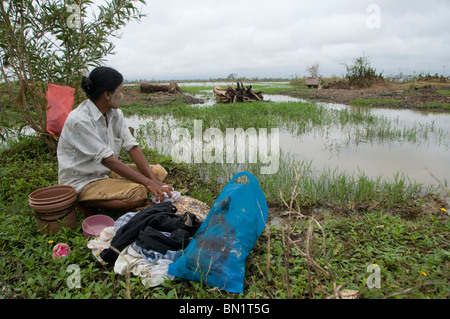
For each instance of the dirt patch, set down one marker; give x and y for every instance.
(412, 209)
(164, 98)
(132, 94)
(435, 206)
(417, 95)
(342, 85)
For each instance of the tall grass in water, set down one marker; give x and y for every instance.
(319, 189)
(296, 117)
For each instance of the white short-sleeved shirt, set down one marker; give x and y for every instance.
(86, 140)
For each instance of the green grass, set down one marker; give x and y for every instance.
(197, 89)
(266, 88)
(350, 245)
(375, 102)
(444, 91)
(429, 106)
(272, 89)
(405, 246)
(435, 105)
(326, 189)
(256, 115)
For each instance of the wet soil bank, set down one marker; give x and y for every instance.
(424, 96)
(412, 209)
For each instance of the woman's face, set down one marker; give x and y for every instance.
(117, 97)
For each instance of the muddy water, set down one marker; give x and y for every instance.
(342, 149)
(373, 159)
(335, 149)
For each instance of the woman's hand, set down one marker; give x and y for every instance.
(158, 189)
(155, 186)
(169, 186)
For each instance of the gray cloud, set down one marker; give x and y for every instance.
(206, 39)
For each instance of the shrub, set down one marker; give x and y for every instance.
(361, 74)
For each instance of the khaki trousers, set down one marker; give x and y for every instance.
(117, 187)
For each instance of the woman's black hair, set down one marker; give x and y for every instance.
(101, 79)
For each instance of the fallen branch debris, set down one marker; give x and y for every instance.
(239, 94)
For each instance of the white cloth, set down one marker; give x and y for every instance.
(86, 140)
(153, 274)
(101, 242)
(133, 261)
(175, 197)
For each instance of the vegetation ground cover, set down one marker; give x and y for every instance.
(325, 229)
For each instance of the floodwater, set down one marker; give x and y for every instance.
(338, 148)
(342, 148)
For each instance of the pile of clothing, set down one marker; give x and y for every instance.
(146, 242)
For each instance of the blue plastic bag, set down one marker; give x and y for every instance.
(217, 253)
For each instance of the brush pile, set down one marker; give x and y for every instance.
(239, 94)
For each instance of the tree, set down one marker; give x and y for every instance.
(232, 77)
(313, 70)
(360, 73)
(55, 41)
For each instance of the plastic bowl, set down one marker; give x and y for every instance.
(93, 225)
(51, 194)
(48, 208)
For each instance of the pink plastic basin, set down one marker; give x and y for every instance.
(93, 225)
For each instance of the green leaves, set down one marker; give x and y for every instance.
(55, 41)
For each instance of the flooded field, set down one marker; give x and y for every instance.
(381, 142)
(400, 142)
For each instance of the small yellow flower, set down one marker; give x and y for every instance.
(443, 209)
(423, 273)
(51, 169)
(50, 241)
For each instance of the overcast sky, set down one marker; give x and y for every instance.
(202, 39)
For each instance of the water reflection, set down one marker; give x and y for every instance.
(374, 159)
(439, 119)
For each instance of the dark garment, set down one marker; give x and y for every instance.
(146, 226)
(152, 239)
